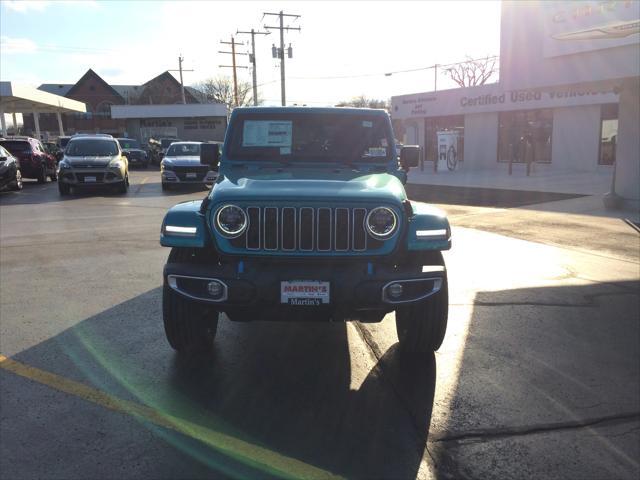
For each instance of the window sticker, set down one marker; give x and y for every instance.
(367, 124)
(266, 133)
(285, 150)
(377, 152)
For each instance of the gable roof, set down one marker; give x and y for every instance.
(56, 88)
(91, 74)
(166, 75)
(163, 75)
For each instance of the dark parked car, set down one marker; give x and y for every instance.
(134, 153)
(35, 162)
(10, 175)
(52, 148)
(181, 166)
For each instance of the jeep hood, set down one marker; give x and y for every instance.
(310, 186)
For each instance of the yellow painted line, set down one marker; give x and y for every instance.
(144, 180)
(226, 444)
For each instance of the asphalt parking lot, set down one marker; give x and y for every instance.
(538, 376)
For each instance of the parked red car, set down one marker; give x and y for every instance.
(35, 162)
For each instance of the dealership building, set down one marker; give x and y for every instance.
(191, 121)
(568, 97)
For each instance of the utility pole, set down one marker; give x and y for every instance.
(180, 69)
(252, 60)
(280, 51)
(234, 66)
(435, 78)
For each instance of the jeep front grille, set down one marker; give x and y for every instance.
(306, 229)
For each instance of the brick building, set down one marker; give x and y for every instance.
(99, 97)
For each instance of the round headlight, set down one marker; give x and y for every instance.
(381, 222)
(231, 221)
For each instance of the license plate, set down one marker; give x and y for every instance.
(89, 179)
(304, 292)
(192, 175)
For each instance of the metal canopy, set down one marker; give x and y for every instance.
(22, 99)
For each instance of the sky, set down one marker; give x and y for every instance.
(343, 50)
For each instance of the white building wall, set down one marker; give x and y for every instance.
(628, 147)
(481, 140)
(576, 138)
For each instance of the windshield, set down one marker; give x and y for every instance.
(165, 142)
(183, 149)
(128, 143)
(311, 137)
(92, 148)
(16, 147)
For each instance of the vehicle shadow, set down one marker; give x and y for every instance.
(286, 390)
(546, 387)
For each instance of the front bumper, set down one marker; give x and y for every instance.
(355, 287)
(90, 177)
(169, 176)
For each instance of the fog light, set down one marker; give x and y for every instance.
(215, 288)
(395, 290)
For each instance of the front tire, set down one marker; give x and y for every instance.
(124, 185)
(64, 189)
(42, 176)
(190, 326)
(421, 326)
(165, 186)
(17, 183)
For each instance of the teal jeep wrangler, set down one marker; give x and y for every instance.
(308, 220)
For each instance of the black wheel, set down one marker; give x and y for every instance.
(42, 175)
(17, 183)
(64, 188)
(53, 176)
(145, 165)
(165, 186)
(421, 326)
(190, 326)
(124, 185)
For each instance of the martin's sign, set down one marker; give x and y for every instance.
(490, 98)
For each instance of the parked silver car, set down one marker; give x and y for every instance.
(181, 165)
(91, 160)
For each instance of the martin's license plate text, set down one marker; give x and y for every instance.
(304, 292)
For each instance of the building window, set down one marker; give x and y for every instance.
(524, 133)
(434, 125)
(608, 134)
(104, 109)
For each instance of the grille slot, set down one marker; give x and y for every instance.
(270, 228)
(306, 229)
(324, 229)
(253, 231)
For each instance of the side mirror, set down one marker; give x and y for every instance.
(409, 156)
(210, 155)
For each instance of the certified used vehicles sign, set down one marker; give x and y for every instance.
(304, 292)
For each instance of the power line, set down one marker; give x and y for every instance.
(233, 53)
(252, 59)
(280, 51)
(180, 69)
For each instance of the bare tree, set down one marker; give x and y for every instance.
(474, 71)
(362, 101)
(220, 90)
